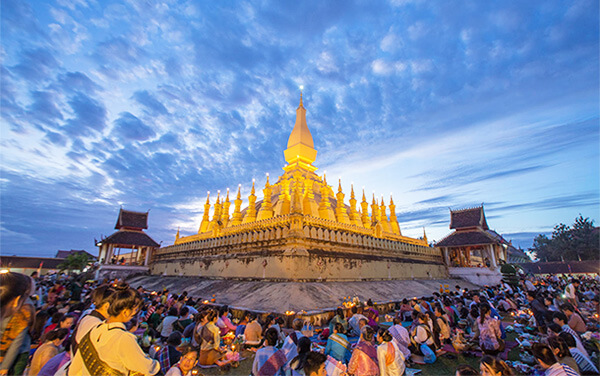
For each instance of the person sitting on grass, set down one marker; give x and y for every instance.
(337, 344)
(338, 318)
(364, 357)
(253, 331)
(466, 370)
(169, 355)
(586, 366)
(547, 360)
(315, 364)
(561, 351)
(189, 358)
(492, 366)
(269, 361)
(391, 359)
(297, 363)
(291, 342)
(210, 350)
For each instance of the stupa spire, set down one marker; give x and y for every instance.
(266, 209)
(177, 234)
(236, 218)
(251, 211)
(394, 226)
(353, 215)
(425, 236)
(366, 221)
(225, 211)
(340, 209)
(300, 147)
(205, 218)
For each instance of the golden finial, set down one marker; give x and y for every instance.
(424, 235)
(391, 199)
(351, 190)
(325, 178)
(227, 199)
(218, 196)
(340, 186)
(301, 88)
(208, 197)
(382, 203)
(364, 197)
(267, 183)
(374, 200)
(252, 191)
(177, 235)
(239, 194)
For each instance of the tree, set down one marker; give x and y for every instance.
(579, 242)
(75, 261)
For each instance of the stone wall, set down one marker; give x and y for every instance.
(299, 267)
(313, 252)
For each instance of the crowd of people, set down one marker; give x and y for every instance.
(67, 326)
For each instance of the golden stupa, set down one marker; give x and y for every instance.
(301, 230)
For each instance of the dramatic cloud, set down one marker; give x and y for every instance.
(151, 104)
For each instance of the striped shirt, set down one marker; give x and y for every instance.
(583, 362)
(558, 369)
(566, 328)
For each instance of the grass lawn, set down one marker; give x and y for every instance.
(443, 366)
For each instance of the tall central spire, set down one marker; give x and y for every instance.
(300, 148)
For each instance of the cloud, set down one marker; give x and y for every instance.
(152, 105)
(132, 128)
(90, 115)
(36, 64)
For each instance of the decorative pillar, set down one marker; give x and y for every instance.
(354, 217)
(148, 254)
(395, 227)
(365, 211)
(493, 262)
(251, 212)
(340, 209)
(266, 209)
(236, 218)
(205, 219)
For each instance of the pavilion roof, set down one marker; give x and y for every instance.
(466, 238)
(30, 262)
(129, 238)
(131, 219)
(468, 218)
(570, 267)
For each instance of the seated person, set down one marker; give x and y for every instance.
(253, 331)
(337, 344)
(224, 323)
(169, 355)
(269, 361)
(338, 318)
(189, 358)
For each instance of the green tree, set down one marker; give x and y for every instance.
(75, 261)
(579, 242)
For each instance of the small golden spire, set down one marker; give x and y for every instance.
(352, 190)
(267, 183)
(227, 198)
(364, 197)
(218, 196)
(239, 194)
(340, 186)
(252, 191)
(391, 199)
(325, 178)
(301, 105)
(208, 197)
(177, 235)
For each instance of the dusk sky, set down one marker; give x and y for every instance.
(150, 104)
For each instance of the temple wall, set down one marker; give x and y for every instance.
(311, 252)
(298, 268)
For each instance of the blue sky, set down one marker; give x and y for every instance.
(149, 104)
